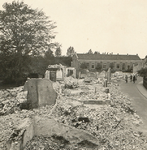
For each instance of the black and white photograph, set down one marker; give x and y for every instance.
(73, 74)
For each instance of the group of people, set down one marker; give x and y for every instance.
(133, 78)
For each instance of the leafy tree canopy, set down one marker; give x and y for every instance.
(49, 54)
(23, 32)
(58, 52)
(96, 52)
(70, 51)
(90, 52)
(143, 72)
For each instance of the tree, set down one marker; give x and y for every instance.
(96, 52)
(65, 61)
(142, 72)
(24, 32)
(48, 54)
(70, 51)
(90, 52)
(58, 52)
(39, 65)
(145, 60)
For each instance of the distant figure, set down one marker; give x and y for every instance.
(130, 78)
(126, 79)
(134, 78)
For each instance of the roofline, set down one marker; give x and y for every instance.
(109, 54)
(109, 59)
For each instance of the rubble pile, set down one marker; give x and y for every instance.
(10, 121)
(58, 87)
(89, 92)
(115, 124)
(114, 129)
(70, 82)
(11, 100)
(50, 143)
(56, 143)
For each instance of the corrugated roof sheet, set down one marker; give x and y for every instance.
(107, 57)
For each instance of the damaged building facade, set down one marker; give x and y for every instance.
(116, 61)
(57, 72)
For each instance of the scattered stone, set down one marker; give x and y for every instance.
(115, 125)
(88, 80)
(1, 105)
(70, 82)
(106, 90)
(84, 119)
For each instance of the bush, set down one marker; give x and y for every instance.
(142, 72)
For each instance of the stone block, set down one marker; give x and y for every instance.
(46, 127)
(49, 127)
(46, 93)
(40, 92)
(21, 135)
(32, 88)
(29, 131)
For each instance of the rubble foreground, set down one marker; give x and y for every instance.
(103, 112)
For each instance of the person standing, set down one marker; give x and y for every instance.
(126, 79)
(134, 78)
(130, 78)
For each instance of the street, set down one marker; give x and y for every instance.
(139, 102)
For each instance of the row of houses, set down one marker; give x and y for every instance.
(118, 62)
(114, 61)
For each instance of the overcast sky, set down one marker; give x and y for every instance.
(118, 26)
